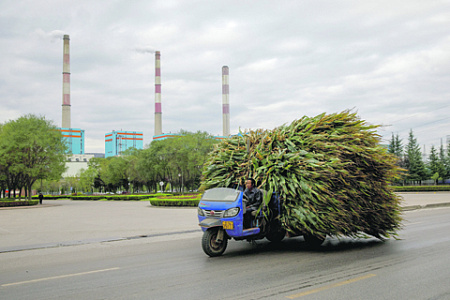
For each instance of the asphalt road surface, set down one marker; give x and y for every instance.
(416, 266)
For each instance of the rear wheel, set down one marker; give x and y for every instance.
(276, 234)
(211, 245)
(313, 240)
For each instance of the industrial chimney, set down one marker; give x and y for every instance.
(66, 84)
(158, 111)
(225, 101)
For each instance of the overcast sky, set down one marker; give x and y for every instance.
(387, 60)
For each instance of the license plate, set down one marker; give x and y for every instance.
(227, 224)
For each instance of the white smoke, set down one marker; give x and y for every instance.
(52, 35)
(145, 49)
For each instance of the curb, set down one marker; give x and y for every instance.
(433, 205)
(91, 241)
(29, 206)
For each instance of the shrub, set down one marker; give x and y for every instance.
(422, 188)
(11, 203)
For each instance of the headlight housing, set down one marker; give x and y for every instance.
(231, 212)
(200, 212)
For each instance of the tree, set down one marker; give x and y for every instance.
(437, 169)
(31, 148)
(395, 146)
(177, 160)
(444, 162)
(87, 179)
(447, 160)
(135, 178)
(113, 172)
(90, 178)
(414, 163)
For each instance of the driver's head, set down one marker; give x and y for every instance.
(250, 183)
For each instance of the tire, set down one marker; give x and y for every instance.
(277, 235)
(313, 240)
(209, 244)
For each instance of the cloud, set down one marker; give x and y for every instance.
(145, 49)
(388, 60)
(53, 35)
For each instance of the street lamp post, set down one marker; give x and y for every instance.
(181, 176)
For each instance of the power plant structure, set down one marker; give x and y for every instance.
(226, 101)
(74, 137)
(66, 84)
(158, 108)
(116, 142)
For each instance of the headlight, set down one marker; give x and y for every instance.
(200, 212)
(231, 212)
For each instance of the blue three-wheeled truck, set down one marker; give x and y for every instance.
(221, 217)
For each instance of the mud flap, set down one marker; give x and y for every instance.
(219, 237)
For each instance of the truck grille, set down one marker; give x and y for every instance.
(213, 213)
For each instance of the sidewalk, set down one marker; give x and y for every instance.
(59, 223)
(413, 201)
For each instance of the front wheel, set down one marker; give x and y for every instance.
(213, 246)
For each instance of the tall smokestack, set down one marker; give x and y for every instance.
(225, 101)
(158, 111)
(66, 85)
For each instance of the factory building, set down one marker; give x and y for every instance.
(117, 142)
(74, 138)
(165, 136)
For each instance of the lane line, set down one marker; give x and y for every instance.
(58, 277)
(330, 286)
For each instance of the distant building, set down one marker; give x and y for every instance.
(165, 136)
(77, 162)
(74, 138)
(116, 142)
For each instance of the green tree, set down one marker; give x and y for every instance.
(437, 169)
(177, 160)
(87, 179)
(114, 173)
(447, 160)
(90, 178)
(31, 148)
(443, 160)
(396, 146)
(414, 163)
(135, 178)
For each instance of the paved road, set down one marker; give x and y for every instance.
(415, 267)
(63, 223)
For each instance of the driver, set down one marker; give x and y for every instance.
(254, 201)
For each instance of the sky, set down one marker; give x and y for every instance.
(388, 61)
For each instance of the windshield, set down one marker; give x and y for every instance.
(221, 194)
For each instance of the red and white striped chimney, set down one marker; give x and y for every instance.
(158, 110)
(225, 101)
(66, 84)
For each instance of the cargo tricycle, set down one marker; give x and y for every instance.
(221, 217)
